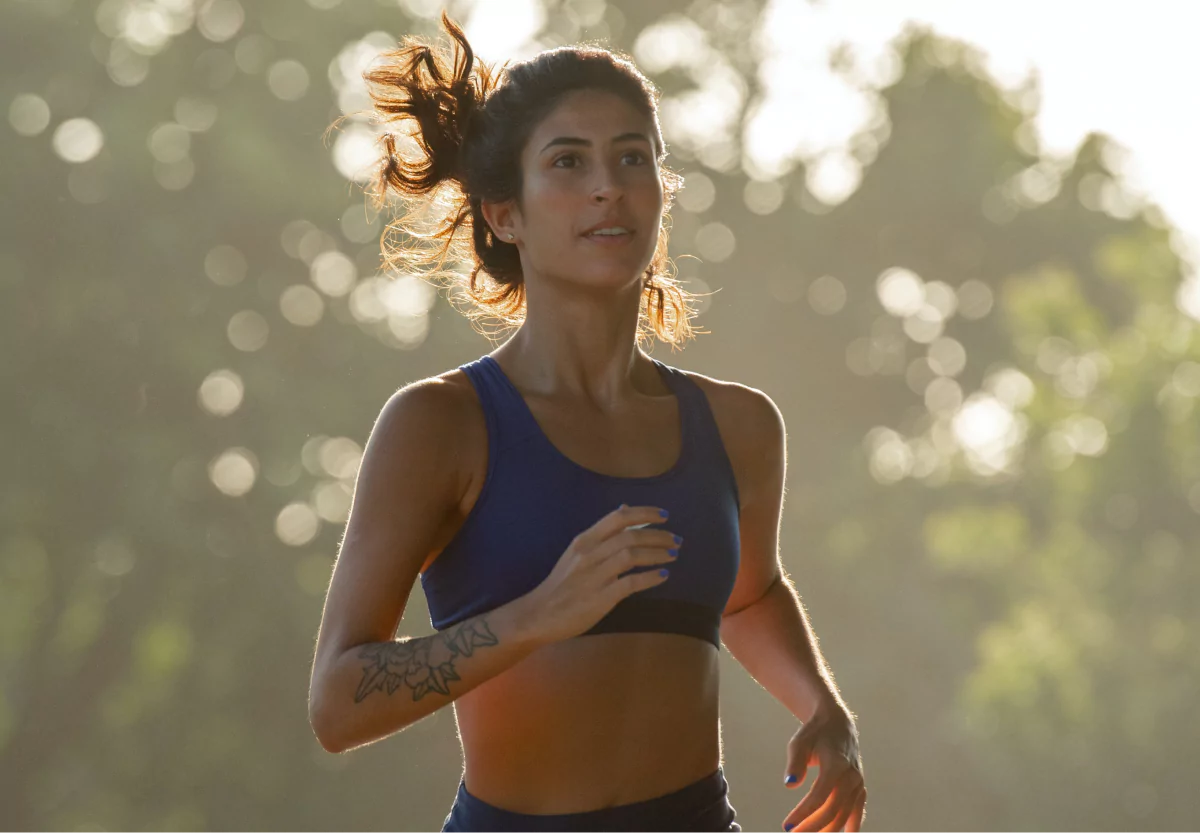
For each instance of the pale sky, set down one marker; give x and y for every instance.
(1125, 69)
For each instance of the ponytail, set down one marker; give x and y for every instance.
(440, 96)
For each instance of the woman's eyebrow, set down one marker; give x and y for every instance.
(580, 142)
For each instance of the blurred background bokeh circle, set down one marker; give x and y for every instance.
(954, 242)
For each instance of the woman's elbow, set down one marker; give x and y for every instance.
(323, 724)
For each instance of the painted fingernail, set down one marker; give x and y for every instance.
(791, 779)
(678, 540)
(789, 826)
(664, 512)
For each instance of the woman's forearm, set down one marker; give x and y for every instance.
(774, 642)
(371, 691)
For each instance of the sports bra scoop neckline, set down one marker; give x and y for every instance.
(682, 421)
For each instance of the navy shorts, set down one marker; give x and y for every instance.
(701, 805)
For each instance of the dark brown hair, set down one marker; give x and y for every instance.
(466, 125)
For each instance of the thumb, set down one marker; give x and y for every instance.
(799, 752)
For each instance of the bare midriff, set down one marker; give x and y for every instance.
(593, 722)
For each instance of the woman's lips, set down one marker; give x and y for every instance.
(610, 240)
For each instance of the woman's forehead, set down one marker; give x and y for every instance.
(595, 115)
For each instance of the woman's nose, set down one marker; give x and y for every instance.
(607, 189)
(608, 184)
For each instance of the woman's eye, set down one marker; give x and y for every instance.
(639, 157)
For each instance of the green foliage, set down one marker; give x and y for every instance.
(999, 553)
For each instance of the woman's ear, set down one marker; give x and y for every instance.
(503, 218)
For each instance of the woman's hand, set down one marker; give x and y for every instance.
(598, 570)
(837, 800)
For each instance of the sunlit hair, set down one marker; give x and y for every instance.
(464, 124)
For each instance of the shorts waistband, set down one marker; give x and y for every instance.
(674, 811)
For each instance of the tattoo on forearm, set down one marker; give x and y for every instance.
(425, 664)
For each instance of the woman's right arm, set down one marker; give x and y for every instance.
(365, 684)
(379, 688)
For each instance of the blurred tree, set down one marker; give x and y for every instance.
(989, 388)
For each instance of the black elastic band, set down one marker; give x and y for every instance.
(633, 614)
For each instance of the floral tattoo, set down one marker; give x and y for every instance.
(425, 664)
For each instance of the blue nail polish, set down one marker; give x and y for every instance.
(673, 553)
(788, 826)
(791, 779)
(663, 512)
(678, 540)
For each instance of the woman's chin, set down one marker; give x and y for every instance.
(614, 278)
(605, 272)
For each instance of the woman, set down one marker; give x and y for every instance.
(588, 523)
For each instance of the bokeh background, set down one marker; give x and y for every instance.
(985, 349)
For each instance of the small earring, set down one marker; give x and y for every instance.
(511, 236)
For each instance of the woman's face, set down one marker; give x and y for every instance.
(590, 163)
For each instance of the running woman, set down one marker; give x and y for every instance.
(588, 524)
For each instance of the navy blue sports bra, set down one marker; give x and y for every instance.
(535, 500)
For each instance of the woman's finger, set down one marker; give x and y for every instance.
(848, 806)
(854, 824)
(828, 810)
(816, 797)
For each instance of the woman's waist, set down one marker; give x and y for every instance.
(608, 677)
(560, 735)
(599, 724)
(575, 773)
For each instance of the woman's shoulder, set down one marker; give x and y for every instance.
(735, 405)
(442, 414)
(443, 409)
(752, 431)
(448, 397)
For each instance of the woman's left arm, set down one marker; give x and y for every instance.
(766, 628)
